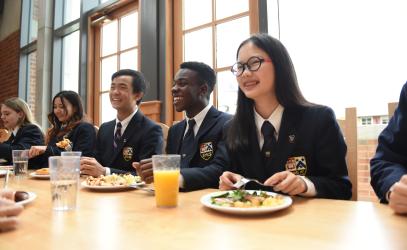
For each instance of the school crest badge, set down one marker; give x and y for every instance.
(128, 153)
(297, 165)
(206, 150)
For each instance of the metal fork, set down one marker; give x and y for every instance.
(240, 184)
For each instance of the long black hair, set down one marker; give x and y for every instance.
(78, 114)
(286, 87)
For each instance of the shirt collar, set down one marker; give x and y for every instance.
(275, 119)
(126, 120)
(198, 118)
(15, 130)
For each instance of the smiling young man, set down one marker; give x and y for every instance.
(131, 136)
(196, 137)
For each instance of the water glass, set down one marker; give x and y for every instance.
(20, 162)
(64, 173)
(71, 153)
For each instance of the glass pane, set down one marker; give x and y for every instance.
(348, 49)
(70, 62)
(129, 31)
(227, 92)
(272, 18)
(225, 8)
(228, 37)
(198, 46)
(108, 112)
(109, 38)
(128, 60)
(109, 66)
(33, 21)
(72, 10)
(197, 13)
(32, 80)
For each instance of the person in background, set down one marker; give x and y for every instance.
(277, 136)
(18, 119)
(388, 168)
(70, 129)
(9, 210)
(128, 138)
(197, 136)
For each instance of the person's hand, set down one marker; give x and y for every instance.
(287, 182)
(8, 210)
(90, 166)
(144, 169)
(227, 179)
(398, 196)
(36, 151)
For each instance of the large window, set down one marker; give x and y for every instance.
(117, 48)
(346, 53)
(28, 58)
(211, 32)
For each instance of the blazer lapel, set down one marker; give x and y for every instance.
(131, 129)
(286, 141)
(110, 137)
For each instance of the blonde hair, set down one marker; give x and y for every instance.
(19, 105)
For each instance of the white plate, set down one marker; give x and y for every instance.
(206, 201)
(39, 176)
(3, 172)
(31, 197)
(112, 188)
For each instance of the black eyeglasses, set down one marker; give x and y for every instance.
(253, 64)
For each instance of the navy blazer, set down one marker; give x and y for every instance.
(198, 173)
(310, 143)
(27, 136)
(141, 139)
(390, 161)
(82, 137)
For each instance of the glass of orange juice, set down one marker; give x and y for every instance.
(166, 179)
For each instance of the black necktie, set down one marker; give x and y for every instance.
(117, 135)
(188, 143)
(267, 130)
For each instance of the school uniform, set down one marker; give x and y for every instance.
(25, 137)
(82, 137)
(141, 139)
(309, 144)
(390, 161)
(196, 169)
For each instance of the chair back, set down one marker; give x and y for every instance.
(349, 131)
(165, 129)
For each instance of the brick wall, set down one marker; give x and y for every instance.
(366, 150)
(9, 64)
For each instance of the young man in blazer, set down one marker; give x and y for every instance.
(388, 168)
(195, 138)
(131, 136)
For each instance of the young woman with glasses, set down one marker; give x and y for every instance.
(277, 136)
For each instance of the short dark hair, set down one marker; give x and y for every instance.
(139, 82)
(205, 72)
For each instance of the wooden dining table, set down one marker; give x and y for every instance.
(129, 219)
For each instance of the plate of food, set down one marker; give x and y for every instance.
(246, 201)
(42, 173)
(23, 198)
(112, 182)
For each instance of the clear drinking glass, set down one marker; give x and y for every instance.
(20, 162)
(64, 173)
